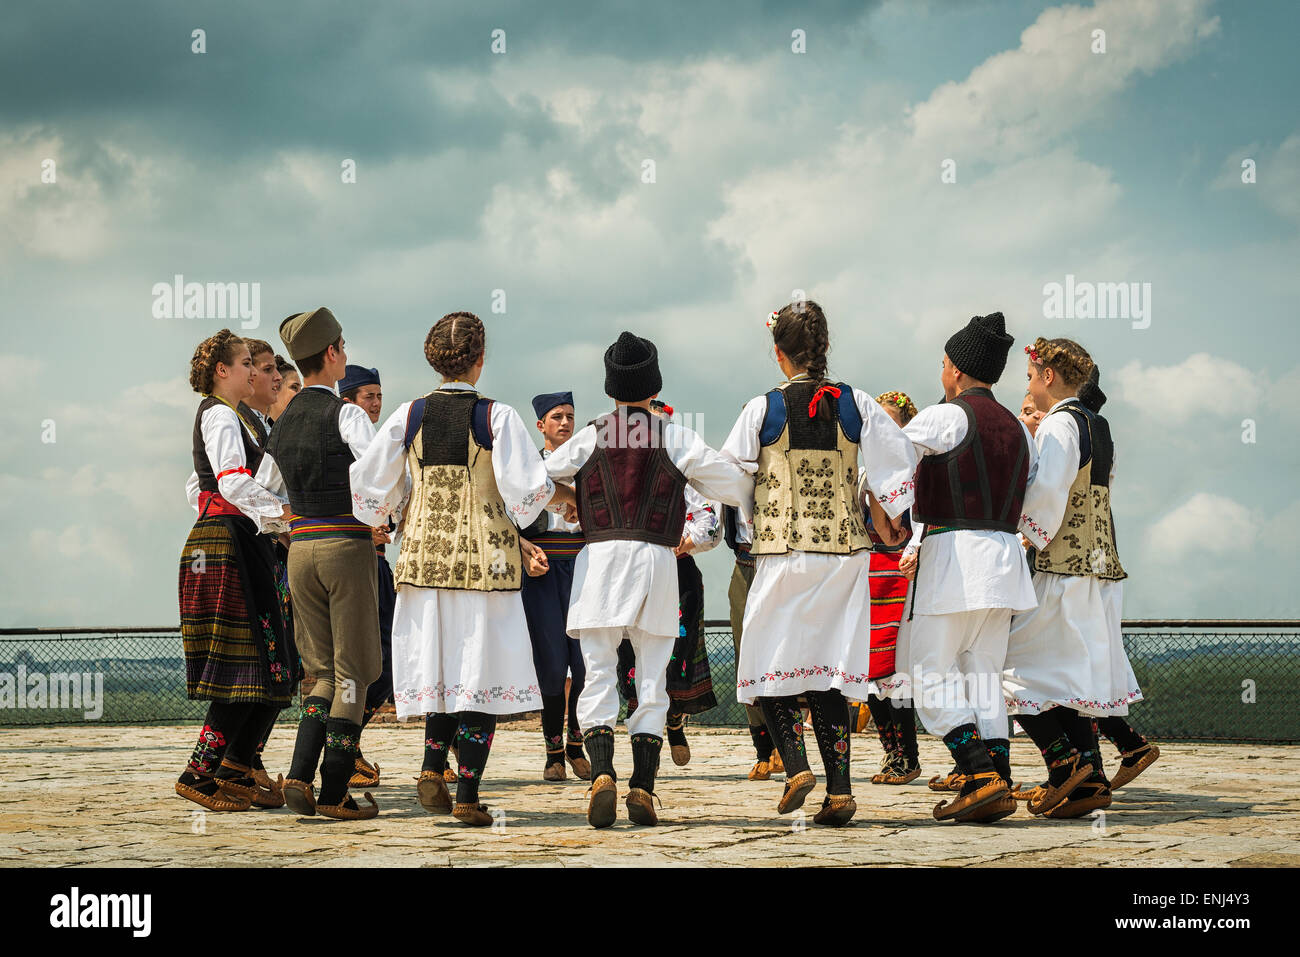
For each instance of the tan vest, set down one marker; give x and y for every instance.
(1085, 542)
(458, 533)
(806, 499)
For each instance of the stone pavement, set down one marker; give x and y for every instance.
(69, 798)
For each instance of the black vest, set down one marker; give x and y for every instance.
(253, 419)
(202, 467)
(312, 456)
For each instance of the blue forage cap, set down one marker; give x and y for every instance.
(548, 400)
(356, 376)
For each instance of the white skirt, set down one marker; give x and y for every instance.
(1069, 651)
(457, 650)
(807, 627)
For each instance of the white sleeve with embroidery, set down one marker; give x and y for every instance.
(379, 479)
(888, 457)
(356, 428)
(710, 472)
(703, 521)
(520, 472)
(1057, 445)
(225, 447)
(564, 462)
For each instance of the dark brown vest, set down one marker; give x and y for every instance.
(202, 467)
(630, 488)
(980, 484)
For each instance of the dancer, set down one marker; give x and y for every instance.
(806, 626)
(331, 567)
(361, 386)
(290, 386)
(1065, 659)
(631, 470)
(556, 656)
(894, 715)
(238, 655)
(460, 647)
(976, 462)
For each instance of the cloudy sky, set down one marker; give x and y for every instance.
(918, 164)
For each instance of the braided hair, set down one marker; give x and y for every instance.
(1069, 360)
(222, 348)
(900, 401)
(799, 330)
(455, 343)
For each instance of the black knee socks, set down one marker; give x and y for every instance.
(600, 750)
(475, 741)
(257, 764)
(1053, 742)
(311, 739)
(553, 727)
(762, 742)
(882, 713)
(969, 751)
(573, 746)
(785, 723)
(1083, 737)
(1120, 733)
(341, 737)
(645, 761)
(244, 745)
(1000, 754)
(905, 733)
(675, 726)
(221, 723)
(438, 731)
(830, 721)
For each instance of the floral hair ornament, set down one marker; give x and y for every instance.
(658, 405)
(772, 317)
(1033, 355)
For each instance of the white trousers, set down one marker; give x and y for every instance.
(956, 665)
(598, 703)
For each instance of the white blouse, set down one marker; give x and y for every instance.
(381, 481)
(1057, 447)
(220, 428)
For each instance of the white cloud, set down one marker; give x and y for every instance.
(1200, 385)
(1204, 524)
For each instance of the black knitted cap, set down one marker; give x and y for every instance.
(980, 350)
(632, 369)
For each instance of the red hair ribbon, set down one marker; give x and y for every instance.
(817, 396)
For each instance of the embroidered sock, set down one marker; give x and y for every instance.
(553, 727)
(311, 739)
(243, 747)
(784, 722)
(1083, 737)
(905, 734)
(341, 737)
(266, 735)
(573, 746)
(438, 731)
(968, 750)
(600, 750)
(475, 741)
(645, 761)
(882, 712)
(676, 727)
(762, 742)
(1045, 731)
(1000, 754)
(830, 721)
(1121, 734)
(214, 739)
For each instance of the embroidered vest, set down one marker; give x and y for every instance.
(1085, 542)
(630, 488)
(312, 456)
(202, 467)
(458, 533)
(980, 484)
(806, 487)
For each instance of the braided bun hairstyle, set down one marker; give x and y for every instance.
(1069, 360)
(900, 401)
(455, 343)
(203, 367)
(799, 330)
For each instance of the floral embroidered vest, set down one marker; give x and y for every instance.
(458, 533)
(1085, 542)
(806, 487)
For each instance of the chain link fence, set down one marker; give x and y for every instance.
(1219, 680)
